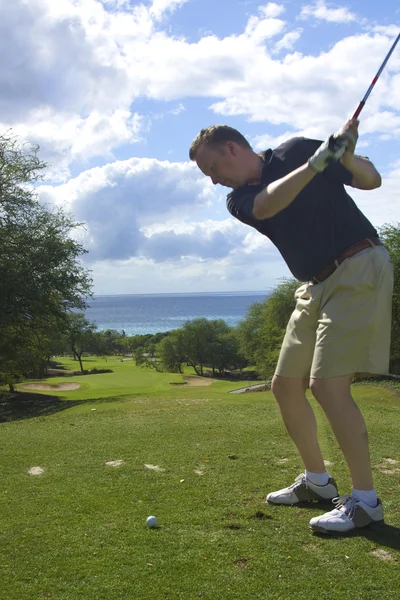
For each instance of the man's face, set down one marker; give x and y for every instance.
(222, 165)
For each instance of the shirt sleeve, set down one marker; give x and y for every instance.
(306, 147)
(335, 172)
(240, 204)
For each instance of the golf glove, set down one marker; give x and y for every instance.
(329, 151)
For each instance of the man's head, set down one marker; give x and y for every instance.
(223, 154)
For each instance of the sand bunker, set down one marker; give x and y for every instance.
(45, 387)
(193, 380)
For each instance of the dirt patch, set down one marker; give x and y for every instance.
(45, 387)
(155, 468)
(242, 562)
(36, 471)
(382, 554)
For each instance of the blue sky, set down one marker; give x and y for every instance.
(114, 91)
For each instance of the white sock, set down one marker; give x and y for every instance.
(318, 478)
(367, 496)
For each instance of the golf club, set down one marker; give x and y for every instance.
(375, 79)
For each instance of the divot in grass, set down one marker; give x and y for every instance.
(242, 562)
(115, 463)
(382, 554)
(385, 468)
(36, 471)
(155, 468)
(389, 471)
(261, 516)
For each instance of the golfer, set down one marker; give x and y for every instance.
(296, 196)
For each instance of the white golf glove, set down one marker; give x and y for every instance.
(329, 151)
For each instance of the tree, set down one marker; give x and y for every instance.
(390, 235)
(195, 339)
(145, 348)
(262, 332)
(206, 343)
(116, 342)
(80, 336)
(229, 356)
(170, 352)
(40, 273)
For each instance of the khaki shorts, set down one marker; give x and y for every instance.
(343, 324)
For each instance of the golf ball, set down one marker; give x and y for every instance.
(151, 522)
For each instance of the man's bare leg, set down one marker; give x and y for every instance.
(299, 420)
(348, 425)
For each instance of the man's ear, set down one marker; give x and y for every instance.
(231, 147)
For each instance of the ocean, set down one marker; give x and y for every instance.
(153, 313)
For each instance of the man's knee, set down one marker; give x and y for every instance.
(286, 388)
(323, 389)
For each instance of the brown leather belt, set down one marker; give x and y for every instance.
(367, 243)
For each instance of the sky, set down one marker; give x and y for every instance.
(115, 91)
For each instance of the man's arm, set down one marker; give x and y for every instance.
(280, 193)
(365, 175)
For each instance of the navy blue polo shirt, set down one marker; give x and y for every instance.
(320, 223)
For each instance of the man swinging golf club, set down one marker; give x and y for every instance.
(295, 195)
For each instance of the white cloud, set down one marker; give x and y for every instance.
(265, 141)
(288, 40)
(64, 137)
(272, 10)
(323, 90)
(259, 29)
(83, 66)
(139, 220)
(145, 276)
(79, 72)
(160, 7)
(385, 122)
(118, 201)
(320, 11)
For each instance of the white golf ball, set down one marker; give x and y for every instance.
(151, 522)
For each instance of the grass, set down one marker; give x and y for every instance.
(78, 531)
(131, 381)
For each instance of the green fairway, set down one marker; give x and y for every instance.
(128, 380)
(202, 461)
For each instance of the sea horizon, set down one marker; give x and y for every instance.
(233, 293)
(161, 312)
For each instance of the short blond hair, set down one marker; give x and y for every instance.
(217, 136)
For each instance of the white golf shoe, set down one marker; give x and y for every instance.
(303, 490)
(349, 513)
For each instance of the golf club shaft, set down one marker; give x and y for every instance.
(375, 79)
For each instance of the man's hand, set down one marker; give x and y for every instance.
(349, 134)
(329, 151)
(365, 175)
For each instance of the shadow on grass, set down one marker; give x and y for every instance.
(15, 406)
(383, 535)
